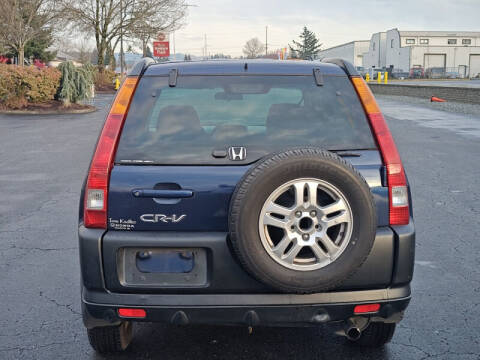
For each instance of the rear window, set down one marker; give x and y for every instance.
(205, 115)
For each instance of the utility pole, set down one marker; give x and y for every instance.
(121, 38)
(266, 40)
(205, 47)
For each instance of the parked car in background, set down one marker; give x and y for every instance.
(400, 74)
(416, 73)
(362, 71)
(435, 73)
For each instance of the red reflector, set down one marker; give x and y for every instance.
(367, 308)
(132, 313)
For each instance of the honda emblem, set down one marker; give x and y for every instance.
(237, 153)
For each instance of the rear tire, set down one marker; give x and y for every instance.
(110, 339)
(376, 334)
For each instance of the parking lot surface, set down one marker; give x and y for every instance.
(43, 161)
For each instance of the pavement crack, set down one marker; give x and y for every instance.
(66, 306)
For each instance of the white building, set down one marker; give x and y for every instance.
(376, 55)
(403, 50)
(352, 52)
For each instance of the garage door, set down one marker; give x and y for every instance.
(434, 60)
(474, 65)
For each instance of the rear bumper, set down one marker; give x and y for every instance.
(101, 308)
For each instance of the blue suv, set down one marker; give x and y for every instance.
(254, 193)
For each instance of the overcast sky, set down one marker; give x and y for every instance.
(229, 24)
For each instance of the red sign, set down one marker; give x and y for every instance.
(161, 49)
(161, 37)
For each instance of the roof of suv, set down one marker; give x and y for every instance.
(242, 67)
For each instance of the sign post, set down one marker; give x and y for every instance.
(161, 49)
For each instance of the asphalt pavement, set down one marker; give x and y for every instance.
(43, 160)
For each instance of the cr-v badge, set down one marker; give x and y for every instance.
(237, 153)
(155, 218)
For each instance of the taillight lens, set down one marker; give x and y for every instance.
(96, 192)
(397, 182)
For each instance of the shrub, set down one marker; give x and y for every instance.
(75, 83)
(22, 85)
(105, 80)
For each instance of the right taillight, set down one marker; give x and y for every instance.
(397, 182)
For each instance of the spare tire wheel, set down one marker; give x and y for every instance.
(302, 220)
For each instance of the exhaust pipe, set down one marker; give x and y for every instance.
(352, 331)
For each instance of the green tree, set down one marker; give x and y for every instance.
(37, 47)
(148, 52)
(76, 83)
(21, 21)
(308, 46)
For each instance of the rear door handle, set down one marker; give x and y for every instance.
(162, 194)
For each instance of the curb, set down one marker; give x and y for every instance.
(51, 112)
(469, 95)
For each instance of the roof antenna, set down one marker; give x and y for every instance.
(245, 67)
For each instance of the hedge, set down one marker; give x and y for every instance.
(22, 85)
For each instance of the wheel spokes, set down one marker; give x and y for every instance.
(292, 253)
(273, 221)
(338, 205)
(273, 208)
(280, 248)
(302, 235)
(341, 218)
(328, 243)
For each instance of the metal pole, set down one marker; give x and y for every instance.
(266, 40)
(121, 37)
(205, 47)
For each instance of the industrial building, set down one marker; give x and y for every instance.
(454, 51)
(457, 53)
(352, 51)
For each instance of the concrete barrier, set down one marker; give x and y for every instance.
(458, 94)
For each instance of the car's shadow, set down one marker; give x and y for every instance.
(153, 341)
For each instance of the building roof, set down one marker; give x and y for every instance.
(344, 44)
(440, 33)
(244, 67)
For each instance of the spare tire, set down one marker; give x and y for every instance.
(302, 220)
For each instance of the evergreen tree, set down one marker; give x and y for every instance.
(75, 83)
(308, 46)
(149, 52)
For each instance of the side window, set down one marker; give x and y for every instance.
(452, 41)
(466, 41)
(424, 41)
(410, 41)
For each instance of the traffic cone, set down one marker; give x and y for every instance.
(436, 99)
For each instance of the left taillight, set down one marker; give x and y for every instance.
(96, 190)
